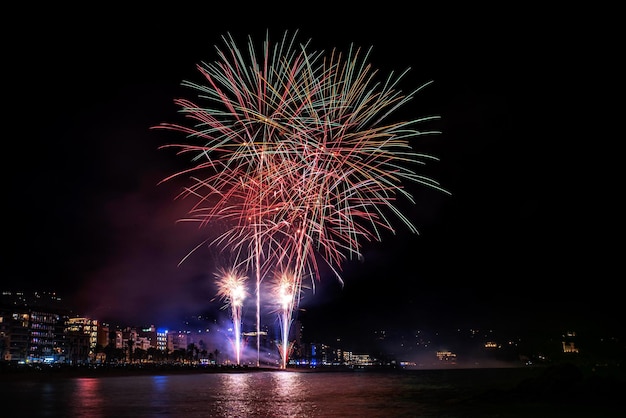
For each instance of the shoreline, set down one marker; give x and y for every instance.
(10, 372)
(38, 371)
(66, 371)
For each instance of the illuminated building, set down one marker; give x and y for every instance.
(150, 335)
(85, 326)
(176, 341)
(31, 328)
(568, 342)
(162, 338)
(446, 357)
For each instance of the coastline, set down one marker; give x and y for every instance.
(38, 371)
(56, 371)
(549, 375)
(86, 371)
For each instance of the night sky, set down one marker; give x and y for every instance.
(529, 236)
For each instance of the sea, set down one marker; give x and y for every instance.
(442, 393)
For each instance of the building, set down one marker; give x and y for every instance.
(32, 327)
(73, 329)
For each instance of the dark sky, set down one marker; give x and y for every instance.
(529, 235)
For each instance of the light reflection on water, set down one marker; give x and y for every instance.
(261, 394)
(250, 394)
(246, 394)
(88, 400)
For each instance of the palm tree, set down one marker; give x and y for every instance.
(130, 343)
(179, 355)
(155, 354)
(192, 352)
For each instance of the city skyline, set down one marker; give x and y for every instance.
(526, 222)
(467, 347)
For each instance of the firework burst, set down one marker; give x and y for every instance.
(295, 152)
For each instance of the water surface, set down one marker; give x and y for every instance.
(420, 393)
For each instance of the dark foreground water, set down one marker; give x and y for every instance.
(417, 393)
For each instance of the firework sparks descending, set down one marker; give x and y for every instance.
(231, 286)
(294, 153)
